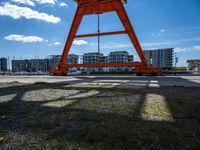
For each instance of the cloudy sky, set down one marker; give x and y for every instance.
(37, 28)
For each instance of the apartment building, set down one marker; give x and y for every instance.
(38, 65)
(33, 65)
(20, 65)
(92, 58)
(41, 65)
(193, 65)
(113, 57)
(53, 60)
(3, 64)
(73, 59)
(120, 57)
(160, 57)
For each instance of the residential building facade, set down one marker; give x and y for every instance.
(193, 65)
(120, 57)
(41, 65)
(38, 65)
(162, 58)
(20, 65)
(3, 64)
(54, 60)
(113, 57)
(33, 65)
(73, 59)
(92, 58)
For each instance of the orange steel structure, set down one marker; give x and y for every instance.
(91, 7)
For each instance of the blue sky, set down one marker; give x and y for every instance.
(30, 28)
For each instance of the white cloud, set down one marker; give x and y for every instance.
(80, 42)
(46, 1)
(17, 12)
(197, 47)
(64, 5)
(24, 39)
(26, 2)
(157, 43)
(162, 30)
(113, 45)
(171, 42)
(117, 45)
(179, 49)
(195, 39)
(32, 2)
(151, 45)
(187, 49)
(55, 44)
(158, 33)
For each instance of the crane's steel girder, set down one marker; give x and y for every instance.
(90, 7)
(101, 34)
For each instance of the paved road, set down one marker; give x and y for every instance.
(187, 81)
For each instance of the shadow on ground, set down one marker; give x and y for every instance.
(109, 118)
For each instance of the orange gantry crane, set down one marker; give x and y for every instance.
(97, 7)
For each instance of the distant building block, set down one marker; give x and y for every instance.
(193, 65)
(162, 58)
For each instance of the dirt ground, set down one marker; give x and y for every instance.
(98, 116)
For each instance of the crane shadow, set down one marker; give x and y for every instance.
(99, 117)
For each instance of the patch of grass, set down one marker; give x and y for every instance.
(2, 117)
(14, 82)
(41, 83)
(155, 107)
(98, 84)
(1, 139)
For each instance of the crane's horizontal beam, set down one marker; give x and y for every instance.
(99, 65)
(81, 2)
(101, 34)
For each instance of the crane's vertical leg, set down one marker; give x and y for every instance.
(121, 12)
(144, 69)
(72, 33)
(99, 59)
